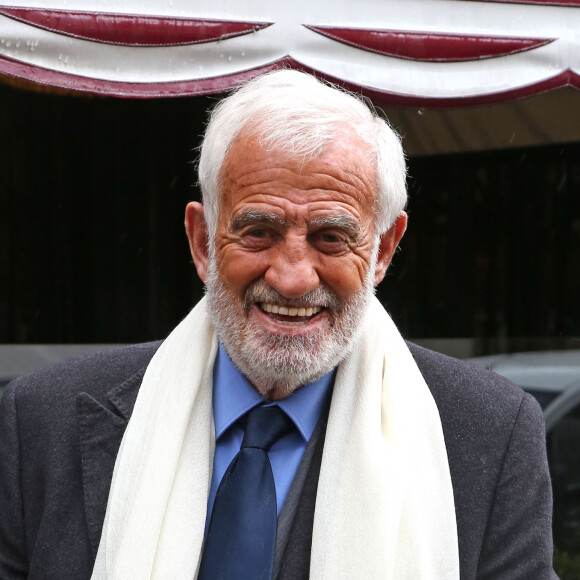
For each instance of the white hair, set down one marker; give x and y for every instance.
(292, 111)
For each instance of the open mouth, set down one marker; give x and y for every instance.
(290, 313)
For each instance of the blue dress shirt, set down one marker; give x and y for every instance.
(234, 396)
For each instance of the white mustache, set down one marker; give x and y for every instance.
(260, 291)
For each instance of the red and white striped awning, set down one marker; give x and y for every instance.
(408, 52)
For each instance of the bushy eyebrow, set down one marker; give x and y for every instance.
(250, 217)
(343, 221)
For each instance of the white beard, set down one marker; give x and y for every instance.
(277, 364)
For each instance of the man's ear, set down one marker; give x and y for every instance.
(388, 244)
(196, 230)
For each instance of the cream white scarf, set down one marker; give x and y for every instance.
(384, 506)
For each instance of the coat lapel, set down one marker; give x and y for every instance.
(101, 428)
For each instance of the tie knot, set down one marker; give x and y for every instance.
(264, 426)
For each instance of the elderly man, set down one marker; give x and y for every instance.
(284, 429)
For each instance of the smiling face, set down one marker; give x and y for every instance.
(293, 265)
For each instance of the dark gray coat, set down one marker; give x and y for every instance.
(60, 429)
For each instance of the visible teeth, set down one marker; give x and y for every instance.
(290, 310)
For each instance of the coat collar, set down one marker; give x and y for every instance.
(101, 428)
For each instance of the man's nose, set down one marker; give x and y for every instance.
(292, 271)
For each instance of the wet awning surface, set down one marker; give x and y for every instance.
(444, 53)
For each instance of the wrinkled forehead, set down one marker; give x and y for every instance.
(345, 152)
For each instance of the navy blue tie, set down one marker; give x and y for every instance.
(242, 530)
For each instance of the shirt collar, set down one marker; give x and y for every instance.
(233, 396)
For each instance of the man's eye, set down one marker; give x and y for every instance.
(258, 233)
(257, 238)
(330, 237)
(330, 242)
